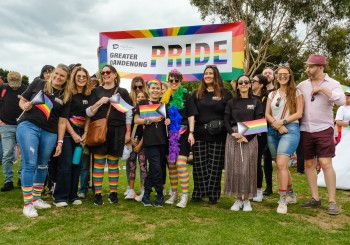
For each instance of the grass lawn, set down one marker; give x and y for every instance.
(129, 222)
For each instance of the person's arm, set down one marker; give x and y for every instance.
(298, 114)
(91, 110)
(191, 139)
(62, 122)
(268, 113)
(75, 136)
(24, 104)
(335, 95)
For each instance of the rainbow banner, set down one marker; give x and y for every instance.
(152, 53)
(45, 107)
(120, 104)
(252, 127)
(150, 110)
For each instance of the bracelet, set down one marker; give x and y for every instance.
(59, 141)
(191, 132)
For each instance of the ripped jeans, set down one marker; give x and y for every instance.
(36, 147)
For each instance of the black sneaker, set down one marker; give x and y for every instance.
(98, 200)
(213, 201)
(8, 186)
(159, 201)
(146, 201)
(196, 199)
(312, 203)
(267, 192)
(113, 197)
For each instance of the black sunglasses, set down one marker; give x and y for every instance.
(138, 87)
(312, 98)
(246, 82)
(278, 101)
(173, 80)
(106, 73)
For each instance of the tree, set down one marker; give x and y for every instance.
(289, 27)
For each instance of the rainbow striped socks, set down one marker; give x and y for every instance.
(173, 177)
(37, 190)
(27, 195)
(98, 171)
(113, 173)
(182, 173)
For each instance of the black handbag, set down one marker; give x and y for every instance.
(214, 127)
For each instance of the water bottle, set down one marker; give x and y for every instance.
(78, 151)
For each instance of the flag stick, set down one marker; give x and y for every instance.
(240, 147)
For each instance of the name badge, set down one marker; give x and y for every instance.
(250, 107)
(216, 98)
(59, 101)
(85, 102)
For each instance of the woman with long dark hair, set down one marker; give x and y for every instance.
(241, 153)
(118, 134)
(37, 134)
(284, 108)
(210, 100)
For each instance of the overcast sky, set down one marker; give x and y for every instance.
(39, 32)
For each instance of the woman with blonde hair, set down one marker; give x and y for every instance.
(67, 178)
(37, 134)
(283, 110)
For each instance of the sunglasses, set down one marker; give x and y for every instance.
(81, 77)
(173, 80)
(105, 73)
(255, 81)
(278, 101)
(282, 76)
(312, 98)
(246, 82)
(138, 87)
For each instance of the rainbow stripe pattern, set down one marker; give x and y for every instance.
(120, 104)
(45, 107)
(237, 30)
(150, 110)
(78, 121)
(252, 127)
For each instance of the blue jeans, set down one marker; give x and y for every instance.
(84, 173)
(36, 147)
(8, 142)
(283, 144)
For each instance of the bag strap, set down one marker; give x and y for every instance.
(110, 105)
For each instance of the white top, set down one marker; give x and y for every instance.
(277, 105)
(343, 113)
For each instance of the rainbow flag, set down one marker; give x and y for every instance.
(150, 110)
(252, 127)
(45, 107)
(78, 121)
(120, 104)
(38, 98)
(162, 110)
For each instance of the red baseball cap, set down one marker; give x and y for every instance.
(316, 59)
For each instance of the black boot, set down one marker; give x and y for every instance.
(8, 186)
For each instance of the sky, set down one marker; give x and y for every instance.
(39, 32)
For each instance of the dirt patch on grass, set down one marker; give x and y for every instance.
(130, 217)
(201, 220)
(325, 221)
(10, 227)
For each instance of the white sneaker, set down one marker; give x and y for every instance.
(60, 204)
(172, 198)
(164, 192)
(77, 202)
(246, 206)
(282, 206)
(131, 194)
(41, 204)
(291, 198)
(183, 201)
(30, 212)
(82, 195)
(237, 205)
(259, 196)
(139, 197)
(127, 191)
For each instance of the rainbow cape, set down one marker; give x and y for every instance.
(151, 110)
(45, 106)
(252, 127)
(120, 104)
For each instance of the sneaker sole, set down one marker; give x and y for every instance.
(112, 202)
(146, 204)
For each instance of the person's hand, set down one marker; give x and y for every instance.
(2, 123)
(277, 124)
(155, 119)
(77, 139)
(83, 137)
(191, 139)
(167, 122)
(137, 148)
(283, 130)
(237, 136)
(316, 90)
(27, 106)
(103, 100)
(58, 150)
(133, 142)
(242, 140)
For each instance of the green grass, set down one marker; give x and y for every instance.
(130, 223)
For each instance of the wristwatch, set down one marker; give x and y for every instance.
(285, 122)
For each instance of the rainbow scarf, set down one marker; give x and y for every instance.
(45, 106)
(252, 127)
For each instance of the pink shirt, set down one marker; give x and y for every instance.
(318, 114)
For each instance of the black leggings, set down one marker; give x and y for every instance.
(263, 150)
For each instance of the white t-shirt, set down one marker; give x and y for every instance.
(343, 113)
(278, 103)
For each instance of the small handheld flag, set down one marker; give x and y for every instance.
(38, 98)
(252, 127)
(162, 110)
(45, 107)
(149, 110)
(120, 104)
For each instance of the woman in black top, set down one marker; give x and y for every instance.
(37, 134)
(208, 151)
(258, 84)
(241, 151)
(74, 112)
(118, 134)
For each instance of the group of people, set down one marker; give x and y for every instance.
(54, 113)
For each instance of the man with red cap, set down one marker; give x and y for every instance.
(320, 93)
